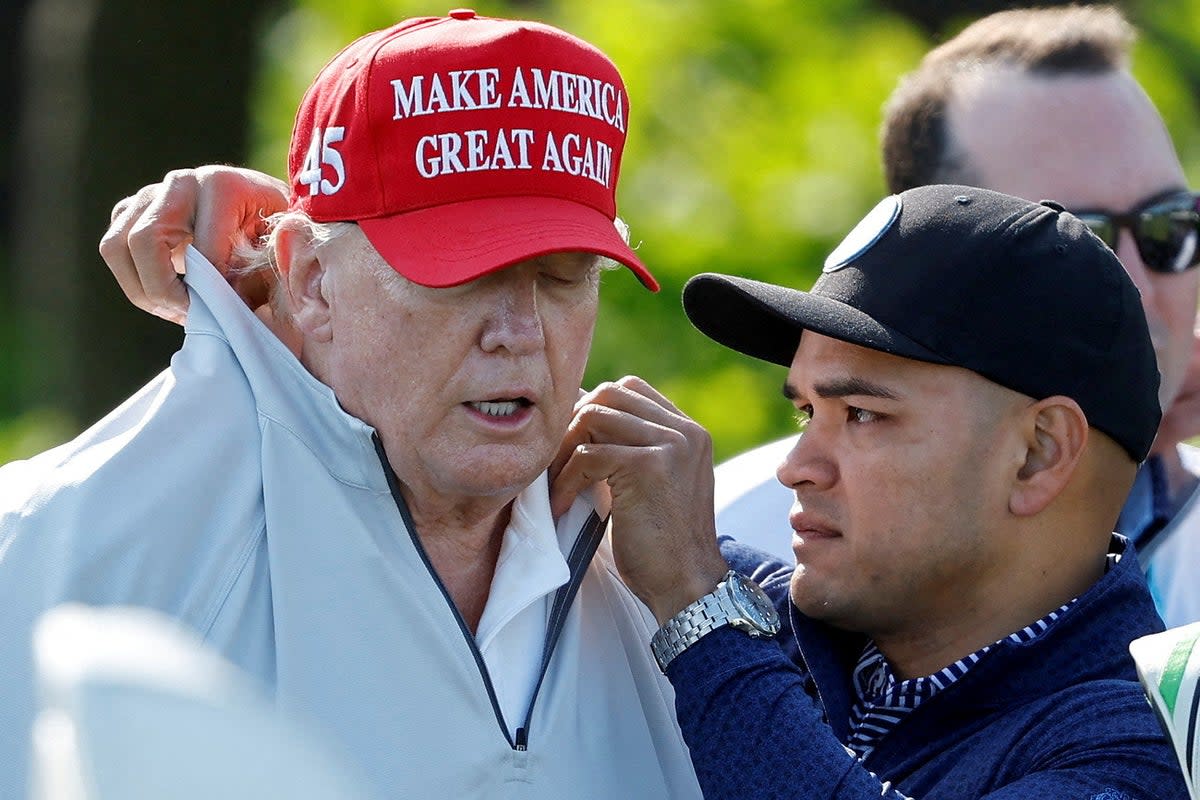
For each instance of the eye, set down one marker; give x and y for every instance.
(803, 416)
(861, 415)
(568, 270)
(566, 277)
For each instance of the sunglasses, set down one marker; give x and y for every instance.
(1166, 229)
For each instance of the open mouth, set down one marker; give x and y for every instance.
(500, 408)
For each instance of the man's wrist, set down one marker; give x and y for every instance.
(736, 601)
(683, 593)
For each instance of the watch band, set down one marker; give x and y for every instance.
(715, 610)
(689, 626)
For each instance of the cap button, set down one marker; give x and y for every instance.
(463, 13)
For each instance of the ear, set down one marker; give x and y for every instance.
(306, 282)
(1055, 434)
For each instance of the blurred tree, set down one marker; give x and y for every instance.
(116, 93)
(12, 17)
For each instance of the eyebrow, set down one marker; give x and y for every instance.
(844, 387)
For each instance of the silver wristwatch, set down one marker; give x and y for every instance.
(737, 601)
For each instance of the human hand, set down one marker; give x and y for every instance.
(598, 493)
(1181, 420)
(211, 207)
(658, 465)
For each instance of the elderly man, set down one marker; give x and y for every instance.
(977, 385)
(1041, 103)
(361, 518)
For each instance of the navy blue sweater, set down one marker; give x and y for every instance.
(1062, 716)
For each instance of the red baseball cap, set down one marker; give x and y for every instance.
(464, 144)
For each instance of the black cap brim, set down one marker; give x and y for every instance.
(765, 321)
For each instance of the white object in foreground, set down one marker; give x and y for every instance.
(133, 706)
(1168, 665)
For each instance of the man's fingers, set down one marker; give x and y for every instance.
(587, 465)
(165, 225)
(629, 436)
(595, 424)
(566, 485)
(114, 249)
(594, 407)
(120, 208)
(212, 206)
(633, 395)
(636, 385)
(628, 412)
(232, 205)
(129, 221)
(658, 464)
(602, 423)
(567, 444)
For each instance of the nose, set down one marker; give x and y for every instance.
(513, 322)
(808, 464)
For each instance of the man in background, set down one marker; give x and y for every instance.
(1040, 103)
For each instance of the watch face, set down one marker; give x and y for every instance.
(755, 605)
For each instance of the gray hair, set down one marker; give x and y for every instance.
(253, 257)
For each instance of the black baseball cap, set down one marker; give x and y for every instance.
(1021, 293)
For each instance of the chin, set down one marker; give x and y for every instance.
(507, 491)
(492, 477)
(815, 602)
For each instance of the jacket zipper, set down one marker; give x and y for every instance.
(582, 551)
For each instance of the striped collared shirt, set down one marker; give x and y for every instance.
(882, 701)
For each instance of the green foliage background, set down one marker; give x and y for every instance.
(752, 149)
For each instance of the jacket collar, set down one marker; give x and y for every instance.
(1089, 641)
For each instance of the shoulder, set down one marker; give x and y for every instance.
(1095, 739)
(1101, 726)
(166, 488)
(1190, 455)
(1096, 710)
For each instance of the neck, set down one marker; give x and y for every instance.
(461, 539)
(463, 551)
(1018, 599)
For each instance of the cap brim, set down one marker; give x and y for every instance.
(451, 244)
(765, 321)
